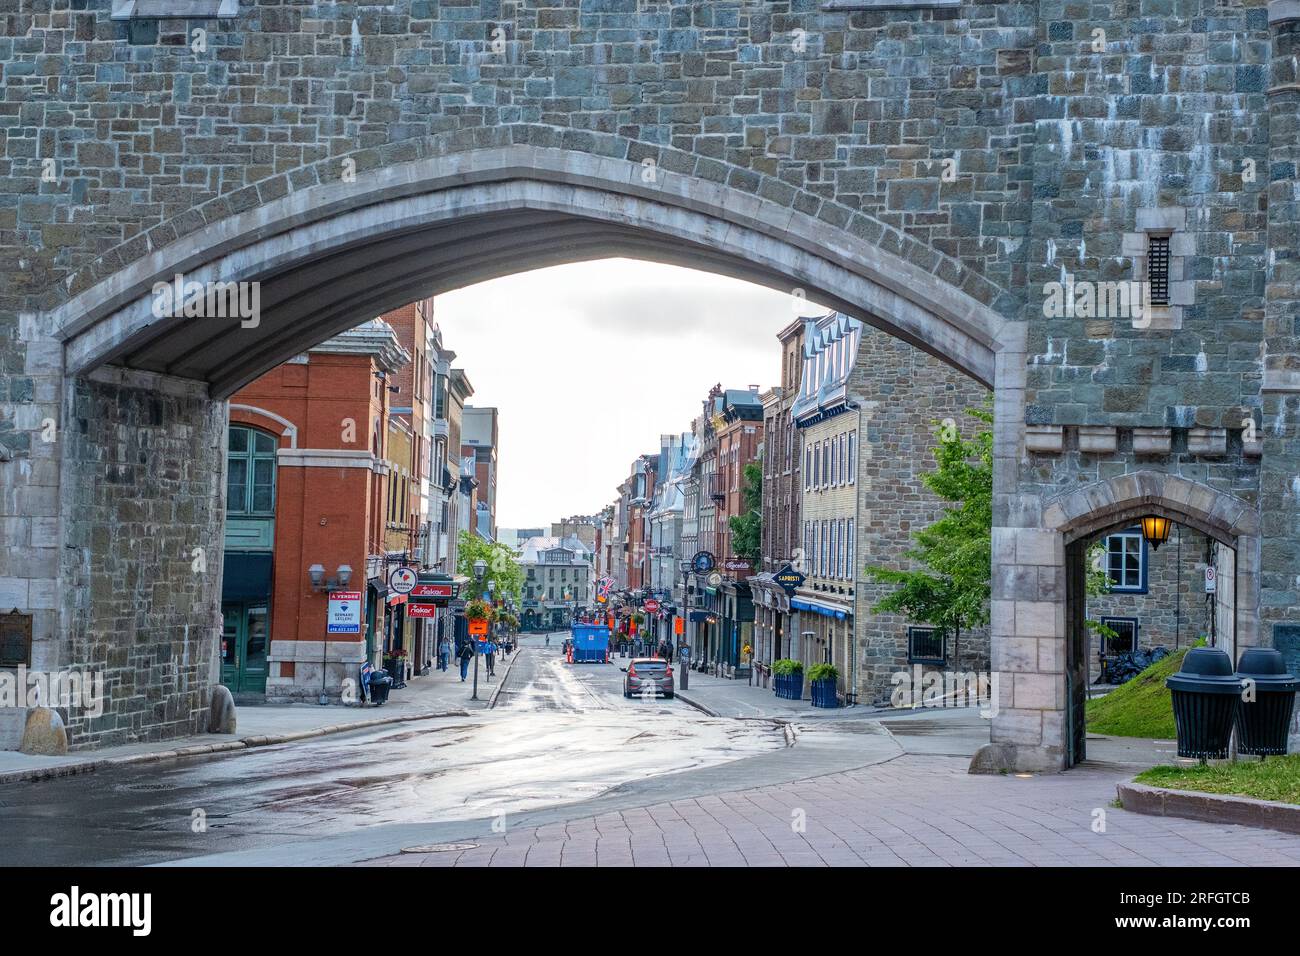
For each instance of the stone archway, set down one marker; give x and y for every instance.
(327, 256)
(330, 255)
(1037, 609)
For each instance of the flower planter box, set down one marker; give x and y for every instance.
(823, 693)
(788, 686)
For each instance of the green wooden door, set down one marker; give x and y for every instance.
(245, 634)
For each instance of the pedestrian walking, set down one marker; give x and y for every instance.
(489, 657)
(444, 652)
(465, 656)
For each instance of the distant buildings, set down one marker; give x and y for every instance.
(558, 580)
(479, 442)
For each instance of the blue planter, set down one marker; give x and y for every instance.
(823, 693)
(789, 686)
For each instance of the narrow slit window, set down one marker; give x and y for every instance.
(1158, 269)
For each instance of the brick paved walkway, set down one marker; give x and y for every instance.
(912, 811)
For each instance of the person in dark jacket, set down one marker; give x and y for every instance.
(465, 655)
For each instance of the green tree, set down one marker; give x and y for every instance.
(503, 569)
(747, 528)
(951, 588)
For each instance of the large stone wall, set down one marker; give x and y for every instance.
(997, 147)
(144, 464)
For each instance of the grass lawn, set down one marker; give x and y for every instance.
(1277, 778)
(1140, 708)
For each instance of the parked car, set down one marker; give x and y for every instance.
(648, 674)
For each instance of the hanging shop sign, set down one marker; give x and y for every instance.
(790, 579)
(402, 580)
(703, 562)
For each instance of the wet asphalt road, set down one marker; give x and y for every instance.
(559, 734)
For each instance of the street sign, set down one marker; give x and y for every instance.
(402, 580)
(478, 627)
(679, 625)
(651, 606)
(344, 613)
(1211, 580)
(422, 610)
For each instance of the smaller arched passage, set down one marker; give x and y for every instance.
(1039, 603)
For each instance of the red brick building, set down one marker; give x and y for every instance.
(307, 487)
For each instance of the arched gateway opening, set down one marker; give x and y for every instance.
(324, 258)
(1087, 515)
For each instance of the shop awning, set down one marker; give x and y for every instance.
(816, 607)
(245, 576)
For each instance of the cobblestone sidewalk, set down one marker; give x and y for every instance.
(911, 811)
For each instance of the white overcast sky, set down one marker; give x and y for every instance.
(590, 363)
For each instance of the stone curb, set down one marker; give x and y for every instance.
(206, 750)
(695, 703)
(496, 692)
(1209, 807)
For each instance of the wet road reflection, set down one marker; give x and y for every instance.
(560, 733)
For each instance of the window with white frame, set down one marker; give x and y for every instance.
(853, 457)
(834, 464)
(849, 572)
(1126, 563)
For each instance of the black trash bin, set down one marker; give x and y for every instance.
(380, 684)
(1264, 723)
(1205, 694)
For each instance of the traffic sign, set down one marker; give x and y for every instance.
(402, 580)
(478, 627)
(1211, 580)
(651, 606)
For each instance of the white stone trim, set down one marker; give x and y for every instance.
(175, 9)
(325, 458)
(290, 429)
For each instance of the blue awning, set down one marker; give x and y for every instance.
(822, 609)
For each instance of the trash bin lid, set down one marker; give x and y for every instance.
(1206, 670)
(1267, 668)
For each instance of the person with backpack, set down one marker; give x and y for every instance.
(465, 655)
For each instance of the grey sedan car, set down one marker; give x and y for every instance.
(648, 677)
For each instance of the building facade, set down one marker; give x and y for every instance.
(309, 479)
(867, 412)
(776, 623)
(480, 442)
(559, 576)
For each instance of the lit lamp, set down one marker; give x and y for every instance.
(1155, 530)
